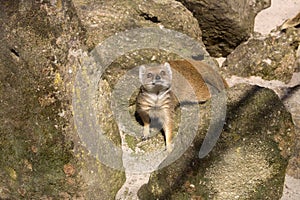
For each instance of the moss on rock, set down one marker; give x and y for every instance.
(271, 58)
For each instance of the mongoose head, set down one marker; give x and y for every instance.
(156, 78)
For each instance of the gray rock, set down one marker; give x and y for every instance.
(225, 24)
(105, 18)
(271, 58)
(43, 157)
(43, 51)
(37, 160)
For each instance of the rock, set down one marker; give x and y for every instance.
(103, 19)
(293, 22)
(274, 60)
(38, 59)
(35, 43)
(271, 58)
(42, 57)
(43, 47)
(225, 24)
(248, 162)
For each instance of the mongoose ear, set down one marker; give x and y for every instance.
(168, 69)
(142, 71)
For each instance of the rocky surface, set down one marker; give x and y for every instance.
(38, 62)
(47, 62)
(36, 153)
(225, 24)
(271, 61)
(271, 58)
(105, 18)
(289, 91)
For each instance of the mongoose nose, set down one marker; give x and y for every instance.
(157, 77)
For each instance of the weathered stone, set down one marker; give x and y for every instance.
(248, 162)
(293, 22)
(44, 158)
(111, 17)
(41, 45)
(37, 63)
(34, 110)
(271, 58)
(225, 24)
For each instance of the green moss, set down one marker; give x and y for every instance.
(131, 141)
(33, 141)
(111, 181)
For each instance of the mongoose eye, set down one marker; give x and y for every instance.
(162, 73)
(149, 75)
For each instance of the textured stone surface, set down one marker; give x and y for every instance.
(271, 58)
(225, 24)
(284, 78)
(44, 45)
(38, 60)
(105, 18)
(34, 109)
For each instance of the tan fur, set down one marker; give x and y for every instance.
(158, 101)
(199, 75)
(155, 99)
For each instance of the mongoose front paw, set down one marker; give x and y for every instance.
(169, 148)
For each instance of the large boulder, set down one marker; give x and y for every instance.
(272, 61)
(106, 18)
(225, 24)
(42, 49)
(41, 154)
(37, 159)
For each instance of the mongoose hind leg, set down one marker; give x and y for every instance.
(168, 135)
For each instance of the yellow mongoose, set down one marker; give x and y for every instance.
(156, 102)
